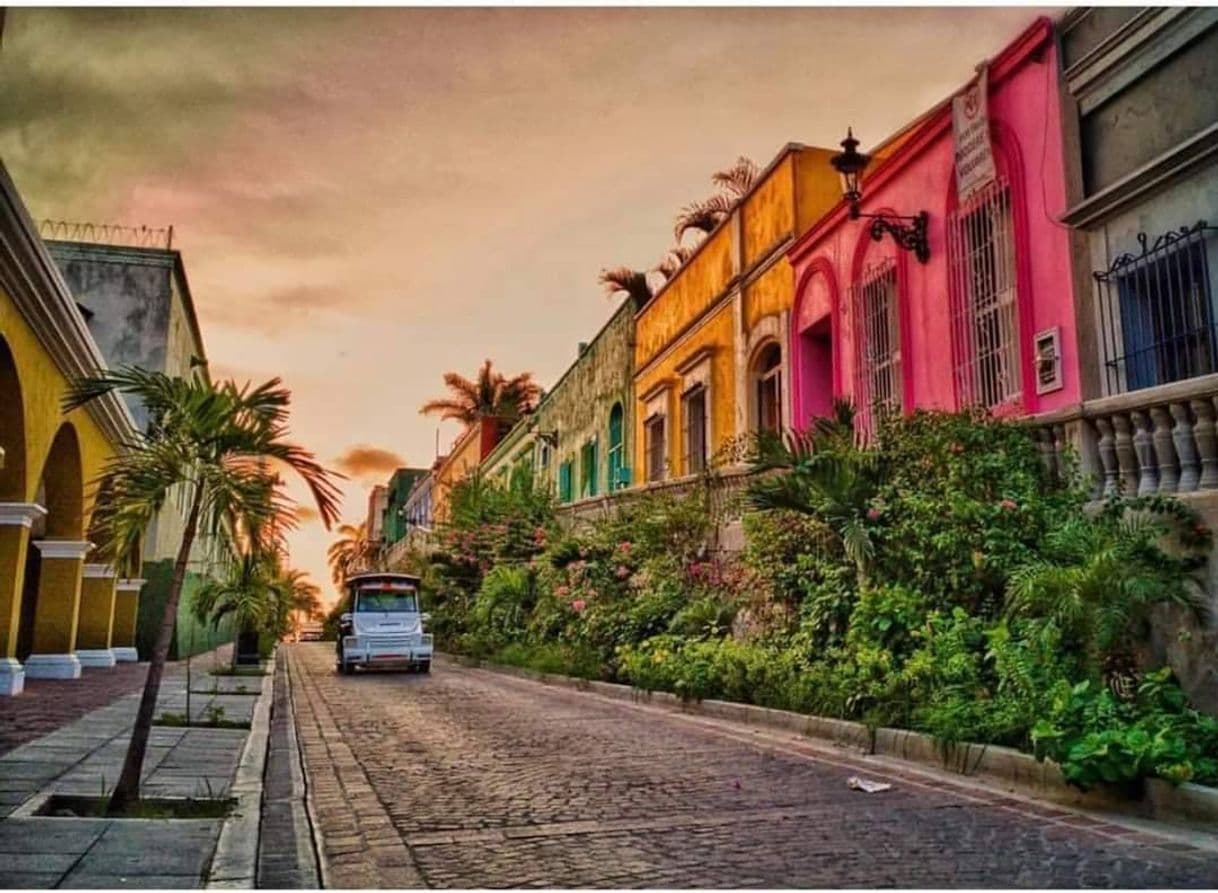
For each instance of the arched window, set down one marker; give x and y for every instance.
(617, 479)
(767, 387)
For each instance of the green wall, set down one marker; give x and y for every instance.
(191, 636)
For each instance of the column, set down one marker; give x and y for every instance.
(126, 610)
(16, 518)
(96, 616)
(58, 610)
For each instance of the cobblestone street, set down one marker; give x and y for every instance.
(465, 778)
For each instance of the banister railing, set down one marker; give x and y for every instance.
(1152, 440)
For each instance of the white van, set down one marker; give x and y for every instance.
(385, 625)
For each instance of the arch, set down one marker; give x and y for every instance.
(13, 480)
(766, 389)
(814, 361)
(63, 479)
(1009, 165)
(616, 454)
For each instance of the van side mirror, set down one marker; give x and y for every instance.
(425, 616)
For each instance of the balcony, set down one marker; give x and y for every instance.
(1153, 440)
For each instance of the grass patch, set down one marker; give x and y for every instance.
(213, 720)
(64, 806)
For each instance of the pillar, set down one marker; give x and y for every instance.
(57, 613)
(93, 634)
(126, 611)
(16, 518)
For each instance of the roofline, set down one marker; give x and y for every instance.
(928, 126)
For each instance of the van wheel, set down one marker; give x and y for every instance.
(345, 668)
(424, 666)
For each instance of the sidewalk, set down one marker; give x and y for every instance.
(84, 757)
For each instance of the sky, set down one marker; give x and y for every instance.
(366, 199)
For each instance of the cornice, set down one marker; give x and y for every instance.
(98, 571)
(20, 514)
(130, 584)
(31, 279)
(74, 549)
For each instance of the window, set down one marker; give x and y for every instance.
(877, 349)
(768, 383)
(587, 469)
(564, 481)
(985, 307)
(617, 478)
(656, 448)
(694, 403)
(1157, 312)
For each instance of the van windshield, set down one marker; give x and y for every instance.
(392, 602)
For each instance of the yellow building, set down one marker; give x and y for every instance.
(711, 347)
(55, 606)
(473, 445)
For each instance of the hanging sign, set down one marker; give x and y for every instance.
(971, 129)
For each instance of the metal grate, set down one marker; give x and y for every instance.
(1157, 313)
(695, 430)
(654, 431)
(877, 353)
(984, 297)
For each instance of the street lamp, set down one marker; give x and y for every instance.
(908, 232)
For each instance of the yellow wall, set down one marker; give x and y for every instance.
(461, 460)
(715, 333)
(770, 293)
(42, 388)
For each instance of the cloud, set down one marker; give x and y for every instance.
(306, 514)
(363, 461)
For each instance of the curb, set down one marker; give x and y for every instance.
(1012, 770)
(235, 863)
(320, 862)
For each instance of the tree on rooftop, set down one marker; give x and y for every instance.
(734, 183)
(624, 279)
(490, 395)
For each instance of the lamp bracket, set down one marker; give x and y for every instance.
(910, 235)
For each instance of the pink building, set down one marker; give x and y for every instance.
(989, 318)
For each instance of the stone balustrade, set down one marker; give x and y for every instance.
(724, 491)
(1153, 440)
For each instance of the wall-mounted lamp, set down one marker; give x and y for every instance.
(550, 438)
(908, 232)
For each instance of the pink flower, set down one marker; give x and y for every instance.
(957, 448)
(873, 514)
(562, 591)
(578, 605)
(624, 548)
(1008, 505)
(622, 572)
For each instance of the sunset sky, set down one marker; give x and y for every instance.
(365, 199)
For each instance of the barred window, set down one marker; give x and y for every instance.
(1157, 311)
(656, 448)
(877, 349)
(768, 372)
(985, 306)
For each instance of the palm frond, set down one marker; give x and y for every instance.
(738, 179)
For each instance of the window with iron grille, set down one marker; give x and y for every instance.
(616, 452)
(656, 448)
(694, 402)
(877, 348)
(769, 388)
(1157, 312)
(985, 305)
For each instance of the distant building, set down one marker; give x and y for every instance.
(393, 523)
(130, 285)
(378, 500)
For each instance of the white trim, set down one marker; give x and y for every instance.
(102, 658)
(52, 666)
(75, 549)
(97, 571)
(12, 677)
(134, 584)
(125, 655)
(20, 514)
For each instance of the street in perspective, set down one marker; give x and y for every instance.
(519, 447)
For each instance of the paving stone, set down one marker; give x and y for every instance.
(494, 782)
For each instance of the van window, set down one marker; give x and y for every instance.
(393, 602)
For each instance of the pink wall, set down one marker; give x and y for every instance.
(1026, 136)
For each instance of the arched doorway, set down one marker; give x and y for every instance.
(12, 429)
(15, 517)
(814, 383)
(765, 380)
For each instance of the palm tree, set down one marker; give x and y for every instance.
(348, 553)
(213, 443)
(632, 282)
(490, 394)
(734, 184)
(825, 474)
(673, 260)
(302, 593)
(244, 593)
